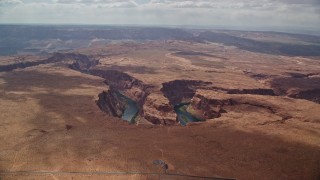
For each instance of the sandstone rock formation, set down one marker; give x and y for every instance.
(111, 103)
(209, 104)
(158, 110)
(178, 91)
(208, 108)
(299, 86)
(128, 85)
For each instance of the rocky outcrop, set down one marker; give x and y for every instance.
(158, 110)
(307, 87)
(210, 104)
(311, 95)
(117, 79)
(111, 103)
(128, 85)
(120, 81)
(182, 90)
(81, 62)
(208, 108)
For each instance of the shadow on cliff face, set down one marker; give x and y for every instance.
(258, 91)
(298, 86)
(117, 79)
(311, 95)
(178, 91)
(111, 103)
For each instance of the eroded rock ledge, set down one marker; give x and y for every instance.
(110, 103)
(178, 91)
(209, 105)
(311, 95)
(298, 86)
(128, 85)
(292, 84)
(158, 110)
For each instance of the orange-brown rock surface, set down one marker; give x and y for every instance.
(158, 110)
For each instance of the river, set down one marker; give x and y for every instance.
(131, 109)
(184, 117)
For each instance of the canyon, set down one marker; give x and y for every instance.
(157, 106)
(181, 104)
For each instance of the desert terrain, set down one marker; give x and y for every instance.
(193, 105)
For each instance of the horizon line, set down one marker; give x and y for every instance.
(277, 29)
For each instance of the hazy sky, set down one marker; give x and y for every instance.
(235, 13)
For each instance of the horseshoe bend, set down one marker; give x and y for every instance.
(159, 103)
